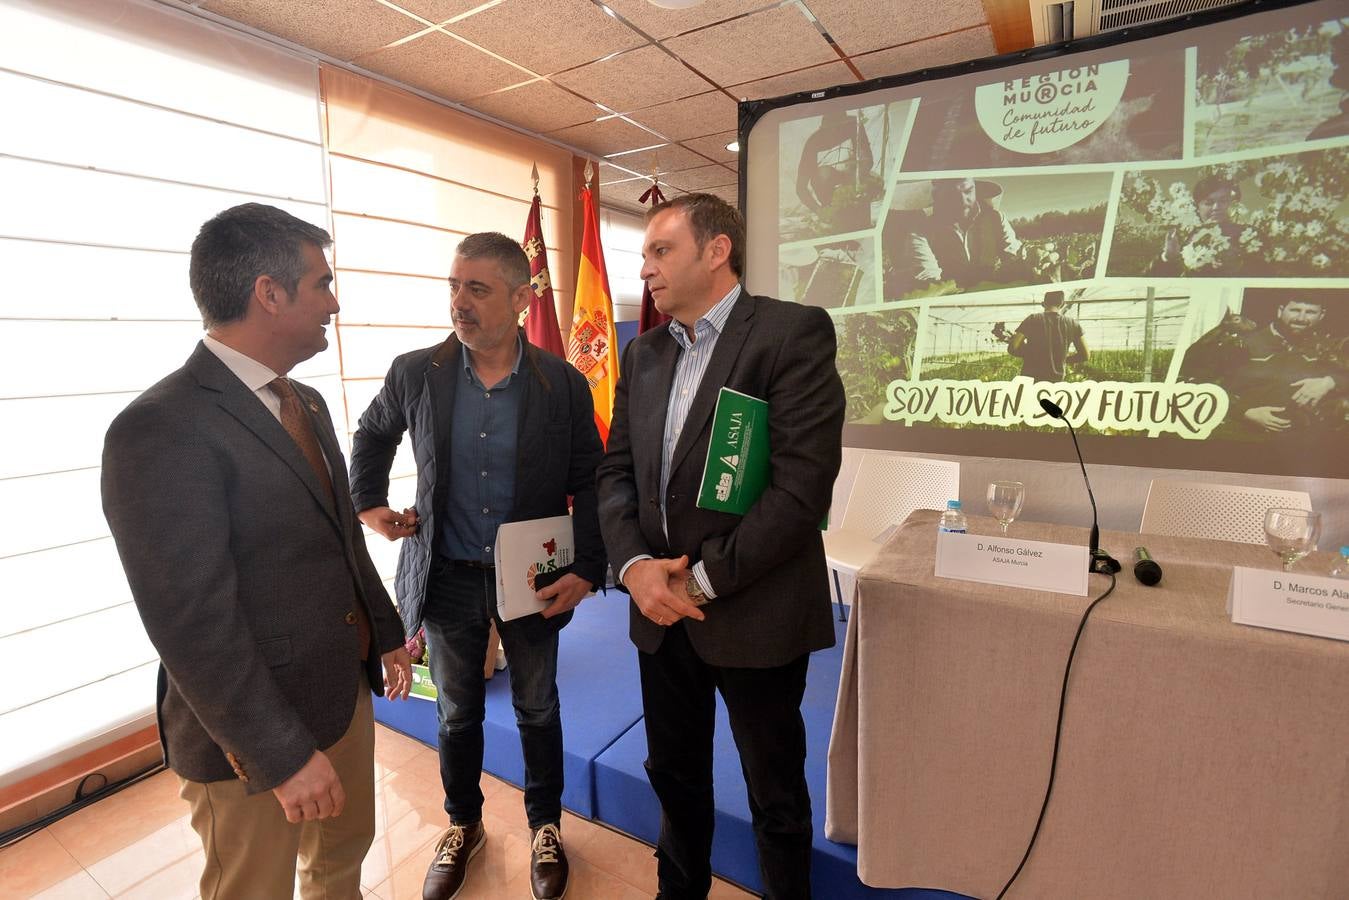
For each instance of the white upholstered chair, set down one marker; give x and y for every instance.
(1224, 512)
(887, 488)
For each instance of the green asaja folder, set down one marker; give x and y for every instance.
(736, 470)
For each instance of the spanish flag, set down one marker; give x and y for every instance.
(591, 345)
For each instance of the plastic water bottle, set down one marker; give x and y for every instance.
(953, 520)
(1341, 569)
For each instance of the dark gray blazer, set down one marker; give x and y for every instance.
(245, 572)
(556, 451)
(767, 567)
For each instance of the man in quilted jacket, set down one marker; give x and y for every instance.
(501, 432)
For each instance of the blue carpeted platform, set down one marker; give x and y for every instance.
(625, 800)
(597, 688)
(606, 746)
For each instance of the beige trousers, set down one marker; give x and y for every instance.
(251, 850)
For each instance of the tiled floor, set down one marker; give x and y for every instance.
(138, 843)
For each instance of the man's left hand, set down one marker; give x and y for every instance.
(566, 593)
(397, 674)
(1310, 391)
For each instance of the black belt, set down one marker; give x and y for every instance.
(473, 564)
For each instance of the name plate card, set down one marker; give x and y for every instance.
(1289, 601)
(1035, 565)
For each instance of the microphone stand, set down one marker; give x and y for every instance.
(1099, 561)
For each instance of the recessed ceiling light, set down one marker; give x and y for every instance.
(733, 146)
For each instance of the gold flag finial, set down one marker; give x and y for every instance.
(534, 174)
(589, 172)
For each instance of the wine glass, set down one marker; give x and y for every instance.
(1004, 502)
(1292, 533)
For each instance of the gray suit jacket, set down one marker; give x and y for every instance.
(245, 572)
(767, 567)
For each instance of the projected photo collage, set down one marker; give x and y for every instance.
(1154, 234)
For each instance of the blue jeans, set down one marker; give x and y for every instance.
(460, 605)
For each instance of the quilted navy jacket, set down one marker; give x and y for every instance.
(557, 451)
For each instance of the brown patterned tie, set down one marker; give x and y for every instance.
(301, 430)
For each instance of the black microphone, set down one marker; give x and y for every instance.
(1146, 569)
(1099, 561)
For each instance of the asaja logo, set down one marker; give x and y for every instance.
(1052, 111)
(732, 461)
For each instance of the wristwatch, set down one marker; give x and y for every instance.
(695, 590)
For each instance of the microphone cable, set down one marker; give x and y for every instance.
(1058, 734)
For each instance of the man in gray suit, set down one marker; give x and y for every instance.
(227, 497)
(721, 602)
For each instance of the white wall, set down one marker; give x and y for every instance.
(1054, 491)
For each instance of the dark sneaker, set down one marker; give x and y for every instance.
(445, 879)
(547, 865)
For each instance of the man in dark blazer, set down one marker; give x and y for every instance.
(722, 602)
(227, 497)
(501, 432)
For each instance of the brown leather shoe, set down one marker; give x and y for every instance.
(445, 878)
(547, 865)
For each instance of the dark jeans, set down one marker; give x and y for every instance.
(679, 700)
(460, 605)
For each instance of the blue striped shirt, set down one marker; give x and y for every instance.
(689, 368)
(688, 375)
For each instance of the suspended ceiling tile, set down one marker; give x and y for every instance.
(700, 179)
(714, 146)
(663, 23)
(548, 35)
(632, 80)
(608, 136)
(691, 116)
(437, 10)
(669, 158)
(631, 190)
(730, 193)
(753, 47)
(610, 174)
(825, 76)
(621, 200)
(443, 65)
(975, 43)
(343, 29)
(858, 26)
(538, 106)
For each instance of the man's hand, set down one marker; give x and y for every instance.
(1171, 249)
(393, 525)
(397, 673)
(1311, 391)
(1267, 417)
(566, 593)
(649, 581)
(314, 792)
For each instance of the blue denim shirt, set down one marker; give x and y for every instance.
(482, 462)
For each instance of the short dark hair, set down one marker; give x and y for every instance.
(709, 216)
(1052, 298)
(1212, 183)
(236, 247)
(506, 251)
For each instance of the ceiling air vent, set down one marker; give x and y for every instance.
(1115, 14)
(1053, 21)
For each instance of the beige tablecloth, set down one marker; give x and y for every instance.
(1200, 759)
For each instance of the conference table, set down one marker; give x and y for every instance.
(1199, 758)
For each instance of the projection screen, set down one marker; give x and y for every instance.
(1151, 232)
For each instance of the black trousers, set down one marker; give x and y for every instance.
(679, 700)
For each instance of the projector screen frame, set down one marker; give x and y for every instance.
(1047, 444)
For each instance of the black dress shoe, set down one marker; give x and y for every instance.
(445, 878)
(548, 865)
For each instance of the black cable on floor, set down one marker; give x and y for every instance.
(1058, 733)
(82, 799)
